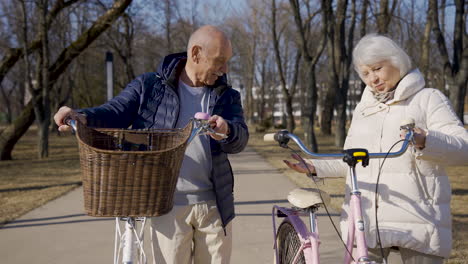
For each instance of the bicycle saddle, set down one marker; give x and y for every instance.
(307, 197)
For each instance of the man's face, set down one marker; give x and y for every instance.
(213, 63)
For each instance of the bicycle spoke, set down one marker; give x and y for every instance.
(289, 244)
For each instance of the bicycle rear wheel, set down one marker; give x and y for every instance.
(288, 243)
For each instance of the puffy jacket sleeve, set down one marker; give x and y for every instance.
(447, 139)
(336, 167)
(120, 111)
(239, 133)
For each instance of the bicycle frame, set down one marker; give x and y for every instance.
(309, 239)
(356, 228)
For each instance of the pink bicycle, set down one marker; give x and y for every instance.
(294, 242)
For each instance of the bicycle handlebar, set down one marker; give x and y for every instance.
(202, 126)
(71, 122)
(200, 120)
(283, 137)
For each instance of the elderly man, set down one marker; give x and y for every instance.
(198, 229)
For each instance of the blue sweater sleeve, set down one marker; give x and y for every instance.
(120, 111)
(239, 133)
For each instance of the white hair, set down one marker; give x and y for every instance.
(374, 48)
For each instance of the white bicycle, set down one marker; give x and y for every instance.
(130, 223)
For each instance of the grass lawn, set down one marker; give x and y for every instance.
(27, 182)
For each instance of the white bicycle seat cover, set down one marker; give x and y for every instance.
(307, 197)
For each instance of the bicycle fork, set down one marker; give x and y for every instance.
(130, 242)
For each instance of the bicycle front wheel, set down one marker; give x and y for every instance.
(288, 243)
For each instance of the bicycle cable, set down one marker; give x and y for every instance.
(323, 202)
(376, 199)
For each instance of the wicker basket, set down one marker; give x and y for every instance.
(128, 172)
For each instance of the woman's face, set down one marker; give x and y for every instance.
(381, 77)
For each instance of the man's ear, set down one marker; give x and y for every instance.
(196, 53)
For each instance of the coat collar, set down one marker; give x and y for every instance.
(409, 85)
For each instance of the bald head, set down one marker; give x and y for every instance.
(208, 51)
(208, 38)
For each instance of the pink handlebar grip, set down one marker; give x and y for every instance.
(202, 116)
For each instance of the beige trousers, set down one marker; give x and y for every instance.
(404, 256)
(191, 234)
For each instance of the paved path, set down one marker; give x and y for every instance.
(59, 232)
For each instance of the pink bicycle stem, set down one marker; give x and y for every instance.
(356, 227)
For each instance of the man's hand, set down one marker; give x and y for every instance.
(219, 125)
(301, 165)
(63, 114)
(419, 137)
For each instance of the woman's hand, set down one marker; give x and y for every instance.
(419, 137)
(301, 165)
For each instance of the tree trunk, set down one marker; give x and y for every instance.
(339, 53)
(262, 104)
(345, 71)
(331, 88)
(455, 70)
(326, 116)
(44, 120)
(10, 136)
(340, 133)
(168, 16)
(7, 100)
(426, 45)
(249, 107)
(310, 107)
(384, 17)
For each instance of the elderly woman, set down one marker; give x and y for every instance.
(414, 190)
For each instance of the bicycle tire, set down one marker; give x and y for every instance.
(288, 243)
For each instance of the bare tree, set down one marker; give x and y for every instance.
(426, 44)
(13, 133)
(384, 16)
(287, 93)
(340, 43)
(311, 56)
(243, 64)
(14, 54)
(362, 33)
(168, 16)
(455, 69)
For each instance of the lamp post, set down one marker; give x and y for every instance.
(110, 75)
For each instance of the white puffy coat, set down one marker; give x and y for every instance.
(414, 189)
